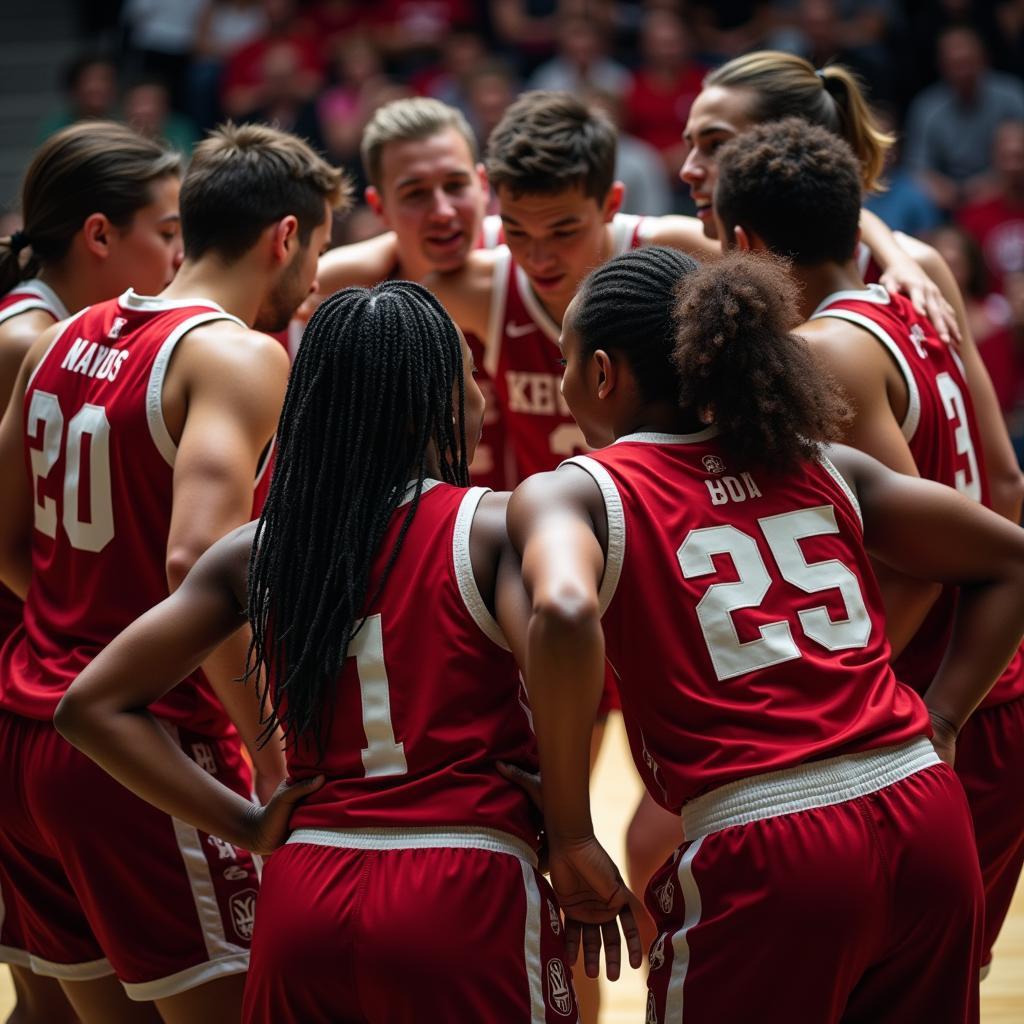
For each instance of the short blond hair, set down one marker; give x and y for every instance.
(409, 120)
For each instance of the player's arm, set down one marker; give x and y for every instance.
(551, 525)
(924, 529)
(233, 381)
(902, 273)
(684, 233)
(467, 292)
(16, 507)
(361, 264)
(862, 368)
(17, 337)
(1002, 471)
(104, 712)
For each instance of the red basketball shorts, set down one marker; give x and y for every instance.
(94, 881)
(396, 933)
(990, 764)
(787, 905)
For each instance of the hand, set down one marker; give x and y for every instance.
(908, 278)
(943, 737)
(593, 895)
(266, 827)
(525, 780)
(266, 784)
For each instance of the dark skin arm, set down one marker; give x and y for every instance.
(923, 529)
(104, 711)
(557, 523)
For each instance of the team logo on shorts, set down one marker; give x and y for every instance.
(657, 957)
(652, 1010)
(559, 991)
(243, 913)
(666, 896)
(713, 464)
(556, 921)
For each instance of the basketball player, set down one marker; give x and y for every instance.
(792, 188)
(131, 443)
(408, 890)
(720, 561)
(430, 192)
(100, 211)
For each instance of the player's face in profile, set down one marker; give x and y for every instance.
(717, 114)
(433, 197)
(557, 239)
(145, 255)
(578, 383)
(474, 403)
(296, 281)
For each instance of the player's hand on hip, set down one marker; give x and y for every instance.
(943, 738)
(596, 902)
(267, 826)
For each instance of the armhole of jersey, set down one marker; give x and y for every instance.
(624, 229)
(60, 336)
(490, 231)
(25, 306)
(616, 526)
(155, 388)
(265, 459)
(463, 562)
(913, 416)
(499, 302)
(830, 467)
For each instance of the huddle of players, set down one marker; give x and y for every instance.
(718, 415)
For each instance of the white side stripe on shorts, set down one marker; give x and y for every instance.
(674, 1004)
(531, 946)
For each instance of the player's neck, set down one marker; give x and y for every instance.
(73, 289)
(821, 280)
(658, 418)
(231, 287)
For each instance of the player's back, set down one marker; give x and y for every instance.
(942, 433)
(100, 459)
(741, 616)
(429, 698)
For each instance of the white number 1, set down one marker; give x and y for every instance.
(381, 755)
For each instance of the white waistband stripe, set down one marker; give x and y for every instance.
(818, 784)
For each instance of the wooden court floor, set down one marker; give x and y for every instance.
(616, 788)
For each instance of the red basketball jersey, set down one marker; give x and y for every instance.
(741, 615)
(430, 697)
(942, 432)
(101, 464)
(523, 358)
(28, 295)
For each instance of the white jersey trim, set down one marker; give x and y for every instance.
(191, 977)
(155, 388)
(39, 296)
(690, 892)
(913, 416)
(490, 231)
(648, 437)
(410, 490)
(869, 293)
(491, 840)
(156, 303)
(835, 780)
(844, 486)
(624, 230)
(537, 312)
(499, 306)
(464, 577)
(616, 517)
(531, 946)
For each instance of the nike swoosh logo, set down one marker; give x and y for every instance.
(519, 330)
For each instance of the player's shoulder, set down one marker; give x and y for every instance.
(229, 351)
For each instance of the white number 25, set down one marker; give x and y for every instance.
(731, 657)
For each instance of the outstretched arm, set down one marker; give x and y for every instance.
(551, 524)
(104, 711)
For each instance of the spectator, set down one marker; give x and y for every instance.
(147, 109)
(244, 89)
(491, 90)
(224, 27)
(285, 104)
(988, 314)
(582, 61)
(462, 54)
(411, 32)
(527, 29)
(335, 21)
(90, 91)
(663, 87)
(160, 39)
(997, 222)
(727, 28)
(951, 125)
(904, 204)
(1014, 285)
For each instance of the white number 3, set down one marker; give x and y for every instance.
(731, 657)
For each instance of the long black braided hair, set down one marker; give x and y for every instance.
(369, 408)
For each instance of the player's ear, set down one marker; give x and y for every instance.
(481, 173)
(746, 241)
(96, 234)
(373, 201)
(614, 200)
(607, 373)
(285, 238)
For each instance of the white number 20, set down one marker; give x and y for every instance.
(731, 657)
(97, 532)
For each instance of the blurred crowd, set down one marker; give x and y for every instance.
(947, 76)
